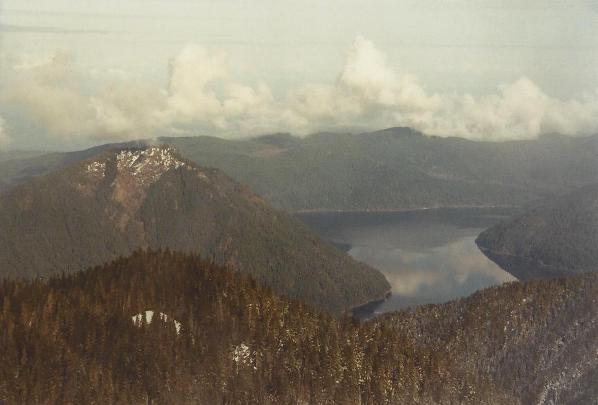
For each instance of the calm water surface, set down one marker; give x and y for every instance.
(427, 256)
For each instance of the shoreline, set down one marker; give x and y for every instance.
(400, 210)
(369, 304)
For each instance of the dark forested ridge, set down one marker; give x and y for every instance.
(219, 337)
(537, 339)
(96, 210)
(393, 169)
(557, 238)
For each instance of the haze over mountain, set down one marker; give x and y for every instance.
(216, 337)
(96, 210)
(393, 169)
(557, 238)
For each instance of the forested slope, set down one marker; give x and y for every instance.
(557, 238)
(96, 210)
(537, 339)
(392, 169)
(73, 340)
(218, 337)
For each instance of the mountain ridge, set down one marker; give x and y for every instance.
(95, 210)
(390, 169)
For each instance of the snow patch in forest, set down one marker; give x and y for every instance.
(146, 318)
(242, 354)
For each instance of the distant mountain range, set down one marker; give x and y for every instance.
(96, 210)
(19, 154)
(393, 169)
(557, 238)
(216, 337)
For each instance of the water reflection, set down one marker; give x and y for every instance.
(428, 256)
(439, 274)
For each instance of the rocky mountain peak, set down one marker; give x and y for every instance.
(129, 173)
(148, 163)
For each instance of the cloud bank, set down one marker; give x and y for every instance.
(202, 97)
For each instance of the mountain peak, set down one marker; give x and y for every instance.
(151, 161)
(128, 174)
(150, 158)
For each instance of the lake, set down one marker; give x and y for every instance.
(428, 256)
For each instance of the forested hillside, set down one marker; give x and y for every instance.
(96, 210)
(537, 339)
(218, 337)
(396, 168)
(557, 238)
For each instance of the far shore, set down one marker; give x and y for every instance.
(398, 210)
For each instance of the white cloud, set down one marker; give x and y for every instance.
(370, 92)
(520, 110)
(69, 103)
(191, 73)
(201, 96)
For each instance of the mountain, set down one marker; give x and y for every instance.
(392, 169)
(23, 166)
(19, 154)
(556, 238)
(96, 210)
(398, 168)
(163, 327)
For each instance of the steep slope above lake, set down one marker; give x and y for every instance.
(555, 239)
(97, 210)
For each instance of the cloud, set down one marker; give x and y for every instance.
(520, 110)
(200, 93)
(202, 97)
(369, 92)
(69, 103)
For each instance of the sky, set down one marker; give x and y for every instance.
(78, 73)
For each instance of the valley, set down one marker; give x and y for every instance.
(252, 296)
(339, 202)
(428, 256)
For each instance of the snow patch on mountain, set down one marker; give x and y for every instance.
(148, 163)
(97, 168)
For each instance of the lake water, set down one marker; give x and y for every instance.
(428, 256)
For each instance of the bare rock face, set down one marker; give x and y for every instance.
(97, 210)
